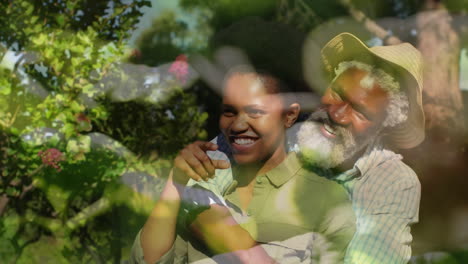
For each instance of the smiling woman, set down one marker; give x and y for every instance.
(255, 116)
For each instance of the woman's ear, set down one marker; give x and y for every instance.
(291, 114)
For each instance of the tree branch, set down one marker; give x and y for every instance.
(97, 208)
(53, 225)
(36, 238)
(3, 203)
(27, 189)
(13, 118)
(33, 184)
(370, 25)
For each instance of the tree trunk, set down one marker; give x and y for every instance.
(440, 48)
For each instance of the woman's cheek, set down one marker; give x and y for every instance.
(224, 124)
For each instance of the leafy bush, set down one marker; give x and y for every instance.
(72, 155)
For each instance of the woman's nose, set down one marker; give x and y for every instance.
(340, 113)
(240, 124)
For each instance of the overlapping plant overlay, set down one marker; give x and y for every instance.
(83, 133)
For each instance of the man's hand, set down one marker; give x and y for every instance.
(193, 162)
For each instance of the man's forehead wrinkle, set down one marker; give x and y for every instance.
(385, 79)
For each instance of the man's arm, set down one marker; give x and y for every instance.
(383, 233)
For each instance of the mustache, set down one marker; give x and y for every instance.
(321, 116)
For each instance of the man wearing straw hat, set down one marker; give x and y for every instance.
(372, 105)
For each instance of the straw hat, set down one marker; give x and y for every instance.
(402, 61)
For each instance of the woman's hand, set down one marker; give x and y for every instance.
(193, 162)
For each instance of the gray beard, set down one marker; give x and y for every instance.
(319, 151)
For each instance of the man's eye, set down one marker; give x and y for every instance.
(361, 116)
(336, 96)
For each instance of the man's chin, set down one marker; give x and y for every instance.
(315, 159)
(315, 149)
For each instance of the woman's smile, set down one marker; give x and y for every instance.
(242, 144)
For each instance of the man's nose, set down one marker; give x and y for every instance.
(340, 113)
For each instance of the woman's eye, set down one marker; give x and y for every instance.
(228, 113)
(256, 112)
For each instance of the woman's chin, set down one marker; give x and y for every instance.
(245, 158)
(242, 160)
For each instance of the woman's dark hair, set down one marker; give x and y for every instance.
(273, 83)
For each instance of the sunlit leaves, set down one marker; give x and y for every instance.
(59, 102)
(77, 148)
(58, 197)
(74, 61)
(60, 20)
(5, 87)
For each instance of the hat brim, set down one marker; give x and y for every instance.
(393, 60)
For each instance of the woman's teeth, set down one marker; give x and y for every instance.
(243, 141)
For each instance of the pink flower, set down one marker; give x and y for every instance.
(84, 124)
(81, 117)
(135, 54)
(51, 157)
(180, 68)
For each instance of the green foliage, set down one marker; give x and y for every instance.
(65, 143)
(226, 11)
(164, 36)
(162, 132)
(23, 19)
(456, 6)
(171, 36)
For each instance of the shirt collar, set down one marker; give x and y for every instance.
(374, 155)
(285, 170)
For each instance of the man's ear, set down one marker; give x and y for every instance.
(292, 113)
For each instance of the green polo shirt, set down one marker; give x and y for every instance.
(287, 202)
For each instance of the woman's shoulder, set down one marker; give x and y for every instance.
(319, 183)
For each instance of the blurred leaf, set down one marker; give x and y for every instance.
(68, 129)
(60, 20)
(76, 107)
(57, 197)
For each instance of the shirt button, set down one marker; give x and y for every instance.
(259, 179)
